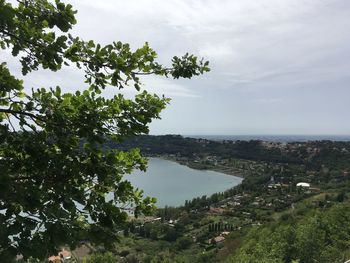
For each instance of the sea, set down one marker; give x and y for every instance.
(273, 138)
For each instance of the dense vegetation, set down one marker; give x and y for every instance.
(176, 144)
(318, 236)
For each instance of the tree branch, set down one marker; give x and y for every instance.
(15, 112)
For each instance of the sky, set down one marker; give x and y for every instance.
(277, 67)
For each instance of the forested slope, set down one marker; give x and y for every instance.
(319, 236)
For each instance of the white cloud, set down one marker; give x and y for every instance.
(162, 86)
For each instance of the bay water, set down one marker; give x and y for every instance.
(172, 183)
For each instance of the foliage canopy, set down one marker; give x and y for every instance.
(319, 236)
(54, 173)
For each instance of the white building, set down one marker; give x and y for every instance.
(303, 185)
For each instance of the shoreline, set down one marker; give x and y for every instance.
(192, 165)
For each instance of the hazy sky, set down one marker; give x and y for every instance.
(278, 66)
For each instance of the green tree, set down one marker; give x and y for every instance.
(54, 172)
(170, 234)
(183, 242)
(319, 236)
(101, 258)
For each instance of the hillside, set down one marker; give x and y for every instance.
(265, 219)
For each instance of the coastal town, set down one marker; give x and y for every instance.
(272, 191)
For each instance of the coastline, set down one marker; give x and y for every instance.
(193, 165)
(173, 183)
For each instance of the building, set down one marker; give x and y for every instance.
(303, 185)
(217, 240)
(62, 257)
